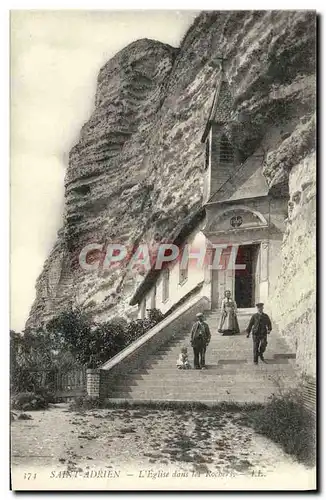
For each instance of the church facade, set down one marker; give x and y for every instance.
(240, 227)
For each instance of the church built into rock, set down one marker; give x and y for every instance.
(241, 219)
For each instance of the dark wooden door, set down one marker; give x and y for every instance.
(244, 278)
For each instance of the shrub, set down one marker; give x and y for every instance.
(155, 316)
(134, 330)
(22, 379)
(47, 395)
(25, 416)
(85, 403)
(287, 422)
(29, 401)
(138, 327)
(93, 344)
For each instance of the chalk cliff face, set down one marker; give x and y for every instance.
(136, 172)
(293, 302)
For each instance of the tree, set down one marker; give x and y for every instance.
(32, 359)
(93, 344)
(72, 331)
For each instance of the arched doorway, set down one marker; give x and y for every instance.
(245, 280)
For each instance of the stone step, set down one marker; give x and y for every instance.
(215, 319)
(188, 391)
(240, 314)
(239, 398)
(188, 375)
(219, 340)
(230, 375)
(212, 384)
(215, 361)
(215, 398)
(204, 385)
(221, 370)
(217, 358)
(217, 335)
(201, 375)
(214, 389)
(225, 346)
(218, 394)
(273, 349)
(268, 388)
(166, 389)
(257, 396)
(215, 367)
(200, 388)
(216, 354)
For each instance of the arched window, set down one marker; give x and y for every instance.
(226, 151)
(207, 152)
(166, 284)
(143, 309)
(183, 266)
(153, 298)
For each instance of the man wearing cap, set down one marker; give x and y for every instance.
(200, 338)
(259, 326)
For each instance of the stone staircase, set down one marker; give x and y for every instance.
(230, 374)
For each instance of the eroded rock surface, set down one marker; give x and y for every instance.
(136, 172)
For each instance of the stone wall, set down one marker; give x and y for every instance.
(293, 300)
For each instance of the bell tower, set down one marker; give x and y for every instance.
(221, 159)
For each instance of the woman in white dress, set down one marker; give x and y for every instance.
(229, 321)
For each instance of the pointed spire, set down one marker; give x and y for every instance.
(222, 103)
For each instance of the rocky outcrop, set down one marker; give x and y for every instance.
(136, 172)
(293, 301)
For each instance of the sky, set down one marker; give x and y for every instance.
(55, 60)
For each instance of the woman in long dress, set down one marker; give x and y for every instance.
(229, 321)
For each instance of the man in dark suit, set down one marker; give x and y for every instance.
(259, 326)
(200, 338)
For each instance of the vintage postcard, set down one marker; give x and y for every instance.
(163, 250)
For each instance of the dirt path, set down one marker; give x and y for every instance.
(115, 447)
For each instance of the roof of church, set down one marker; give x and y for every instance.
(248, 181)
(221, 107)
